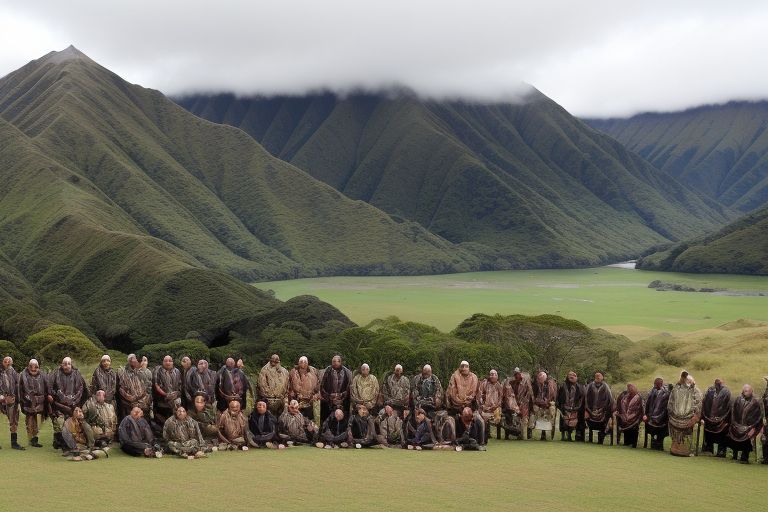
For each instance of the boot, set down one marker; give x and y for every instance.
(562, 436)
(14, 442)
(34, 442)
(543, 436)
(570, 436)
(58, 441)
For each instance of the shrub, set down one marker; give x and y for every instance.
(7, 348)
(702, 363)
(194, 349)
(58, 341)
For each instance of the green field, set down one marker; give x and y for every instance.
(612, 298)
(530, 474)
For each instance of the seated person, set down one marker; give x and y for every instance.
(182, 436)
(389, 428)
(102, 418)
(78, 438)
(362, 430)
(293, 428)
(333, 433)
(470, 431)
(420, 436)
(233, 429)
(263, 426)
(135, 436)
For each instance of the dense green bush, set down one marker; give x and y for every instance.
(58, 341)
(194, 349)
(7, 348)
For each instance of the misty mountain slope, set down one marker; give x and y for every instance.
(721, 150)
(521, 184)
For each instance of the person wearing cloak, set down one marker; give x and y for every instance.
(9, 399)
(273, 385)
(715, 413)
(304, 386)
(629, 414)
(598, 407)
(334, 388)
(66, 391)
(427, 391)
(183, 437)
(364, 389)
(746, 420)
(490, 394)
(544, 406)
(396, 391)
(462, 390)
(293, 428)
(656, 414)
(684, 408)
(570, 403)
(33, 385)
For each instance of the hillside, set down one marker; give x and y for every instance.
(721, 150)
(127, 214)
(522, 184)
(739, 248)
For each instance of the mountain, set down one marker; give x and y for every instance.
(522, 184)
(720, 150)
(739, 248)
(126, 214)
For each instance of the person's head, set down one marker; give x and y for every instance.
(464, 368)
(338, 414)
(362, 410)
(631, 389)
(144, 361)
(181, 413)
(133, 361)
(365, 369)
(168, 362)
(293, 407)
(261, 407)
(398, 370)
(572, 377)
(202, 365)
(466, 414)
(229, 363)
(234, 407)
(240, 364)
(420, 415)
(336, 362)
(388, 410)
(493, 376)
(7, 362)
(106, 362)
(33, 367)
(658, 383)
(599, 377)
(426, 370)
(274, 360)
(541, 377)
(683, 377)
(303, 362)
(77, 413)
(690, 381)
(718, 383)
(136, 413)
(101, 395)
(186, 363)
(66, 365)
(199, 403)
(518, 374)
(746, 390)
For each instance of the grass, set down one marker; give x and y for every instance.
(549, 476)
(615, 299)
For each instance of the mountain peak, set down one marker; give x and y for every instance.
(67, 54)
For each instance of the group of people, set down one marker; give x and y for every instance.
(192, 410)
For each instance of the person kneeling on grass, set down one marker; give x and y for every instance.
(263, 426)
(233, 428)
(470, 431)
(136, 436)
(182, 436)
(420, 437)
(78, 438)
(362, 430)
(333, 434)
(293, 428)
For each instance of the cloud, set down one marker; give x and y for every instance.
(595, 58)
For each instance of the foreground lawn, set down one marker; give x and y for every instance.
(616, 299)
(510, 475)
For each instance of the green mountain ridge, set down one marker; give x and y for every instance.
(522, 185)
(720, 150)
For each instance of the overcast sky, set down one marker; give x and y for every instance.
(596, 58)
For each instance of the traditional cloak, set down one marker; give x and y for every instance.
(716, 408)
(135, 431)
(178, 431)
(32, 391)
(684, 407)
(68, 391)
(629, 409)
(233, 428)
(518, 394)
(273, 383)
(101, 417)
(170, 384)
(656, 407)
(474, 431)
(146, 377)
(78, 435)
(421, 435)
(598, 402)
(293, 427)
(133, 392)
(200, 382)
(570, 401)
(427, 392)
(544, 396)
(231, 384)
(206, 421)
(364, 390)
(303, 385)
(263, 427)
(489, 399)
(462, 390)
(745, 416)
(333, 430)
(9, 383)
(390, 429)
(396, 391)
(106, 380)
(362, 430)
(334, 386)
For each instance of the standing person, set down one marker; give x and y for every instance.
(518, 400)
(231, 384)
(656, 415)
(167, 388)
(304, 387)
(136, 437)
(570, 402)
(146, 375)
(364, 389)
(131, 389)
(598, 407)
(273, 385)
(200, 381)
(334, 388)
(746, 420)
(427, 391)
(105, 378)
(715, 413)
(544, 409)
(462, 390)
(396, 391)
(186, 366)
(684, 407)
(67, 390)
(32, 392)
(9, 399)
(490, 394)
(629, 414)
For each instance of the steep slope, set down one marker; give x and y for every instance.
(721, 150)
(523, 185)
(739, 248)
